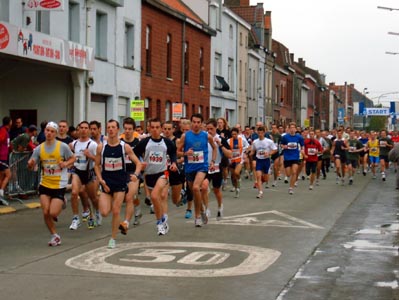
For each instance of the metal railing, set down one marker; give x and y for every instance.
(23, 182)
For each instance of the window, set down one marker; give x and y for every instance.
(250, 83)
(167, 111)
(101, 35)
(192, 109)
(73, 22)
(240, 38)
(186, 62)
(184, 110)
(169, 56)
(129, 46)
(254, 85)
(148, 50)
(245, 82)
(43, 21)
(159, 109)
(200, 109)
(202, 67)
(218, 64)
(123, 108)
(230, 78)
(5, 10)
(231, 32)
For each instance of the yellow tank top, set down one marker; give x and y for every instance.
(53, 177)
(374, 148)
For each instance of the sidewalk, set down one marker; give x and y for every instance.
(15, 205)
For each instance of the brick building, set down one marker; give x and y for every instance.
(175, 53)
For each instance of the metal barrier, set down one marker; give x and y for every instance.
(23, 182)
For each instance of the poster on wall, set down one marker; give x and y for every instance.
(48, 5)
(137, 110)
(177, 111)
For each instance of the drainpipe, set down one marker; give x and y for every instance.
(88, 75)
(183, 63)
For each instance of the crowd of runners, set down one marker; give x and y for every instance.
(181, 161)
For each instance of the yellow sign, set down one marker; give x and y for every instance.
(137, 110)
(306, 123)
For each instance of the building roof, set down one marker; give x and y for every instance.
(251, 14)
(179, 6)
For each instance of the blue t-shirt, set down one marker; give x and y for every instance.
(294, 143)
(198, 162)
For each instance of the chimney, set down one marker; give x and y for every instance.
(236, 3)
(301, 62)
(244, 2)
(292, 57)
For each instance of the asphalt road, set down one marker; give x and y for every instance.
(303, 246)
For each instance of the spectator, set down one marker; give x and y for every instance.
(63, 132)
(5, 173)
(24, 142)
(17, 129)
(41, 137)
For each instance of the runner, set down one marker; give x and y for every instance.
(338, 151)
(95, 132)
(176, 178)
(194, 146)
(386, 145)
(364, 154)
(311, 154)
(84, 183)
(154, 151)
(5, 173)
(238, 146)
(292, 144)
(214, 173)
(111, 173)
(276, 136)
(354, 148)
(263, 148)
(374, 152)
(54, 157)
(131, 199)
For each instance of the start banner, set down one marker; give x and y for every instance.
(377, 111)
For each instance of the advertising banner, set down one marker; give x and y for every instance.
(177, 111)
(49, 5)
(137, 110)
(341, 115)
(38, 46)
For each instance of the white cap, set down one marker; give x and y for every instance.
(52, 125)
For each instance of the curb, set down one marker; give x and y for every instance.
(15, 207)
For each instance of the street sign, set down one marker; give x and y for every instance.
(382, 111)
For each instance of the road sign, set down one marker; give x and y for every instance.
(137, 110)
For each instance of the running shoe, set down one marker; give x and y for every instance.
(161, 229)
(237, 193)
(260, 195)
(90, 223)
(124, 227)
(152, 211)
(274, 184)
(317, 182)
(111, 244)
(188, 214)
(99, 218)
(343, 181)
(350, 181)
(137, 219)
(296, 183)
(220, 214)
(147, 201)
(310, 187)
(198, 222)
(55, 240)
(85, 215)
(291, 191)
(75, 224)
(204, 217)
(383, 176)
(233, 189)
(364, 172)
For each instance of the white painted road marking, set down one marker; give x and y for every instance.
(212, 254)
(253, 219)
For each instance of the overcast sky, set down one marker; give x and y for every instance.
(344, 39)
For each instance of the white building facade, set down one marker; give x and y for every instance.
(223, 102)
(80, 62)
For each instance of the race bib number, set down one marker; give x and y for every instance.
(214, 169)
(261, 154)
(196, 158)
(155, 158)
(312, 151)
(127, 159)
(352, 149)
(236, 153)
(113, 163)
(383, 143)
(373, 150)
(292, 146)
(81, 161)
(51, 169)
